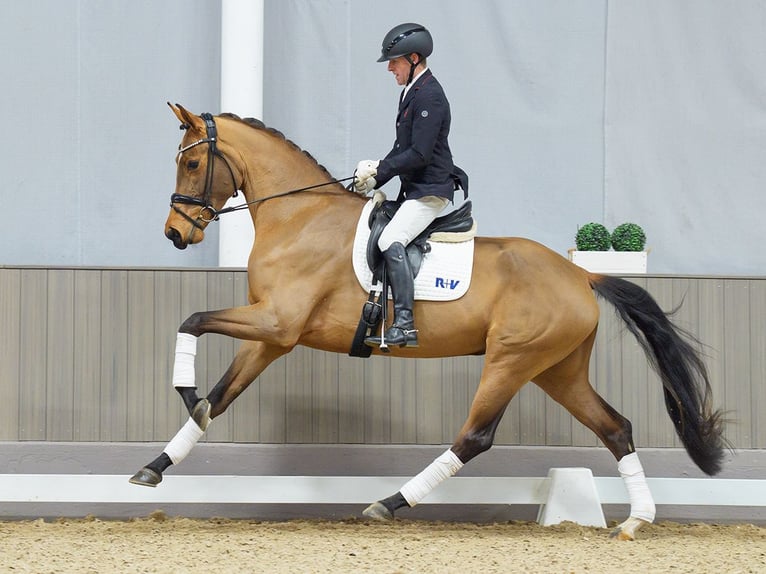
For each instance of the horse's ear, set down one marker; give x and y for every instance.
(187, 119)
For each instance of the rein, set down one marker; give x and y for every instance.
(205, 203)
(284, 193)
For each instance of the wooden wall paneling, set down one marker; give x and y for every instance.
(324, 389)
(245, 415)
(430, 399)
(299, 400)
(558, 424)
(114, 358)
(60, 356)
(87, 353)
(403, 401)
(737, 363)
(456, 375)
(168, 410)
(33, 354)
(102, 343)
(377, 412)
(141, 349)
(758, 361)
(10, 351)
(272, 403)
(351, 399)
(531, 416)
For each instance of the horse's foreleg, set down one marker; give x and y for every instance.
(250, 361)
(475, 437)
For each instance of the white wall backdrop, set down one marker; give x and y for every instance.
(564, 112)
(87, 154)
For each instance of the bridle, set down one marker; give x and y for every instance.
(207, 212)
(204, 202)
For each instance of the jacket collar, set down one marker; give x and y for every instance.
(416, 85)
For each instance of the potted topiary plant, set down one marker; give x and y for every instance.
(593, 237)
(628, 237)
(593, 253)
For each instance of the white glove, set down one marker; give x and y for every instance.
(364, 176)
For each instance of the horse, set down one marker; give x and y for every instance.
(532, 313)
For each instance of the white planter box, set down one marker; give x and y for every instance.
(616, 262)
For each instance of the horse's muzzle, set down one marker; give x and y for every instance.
(176, 238)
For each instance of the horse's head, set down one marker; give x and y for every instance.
(204, 179)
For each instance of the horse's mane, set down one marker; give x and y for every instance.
(258, 124)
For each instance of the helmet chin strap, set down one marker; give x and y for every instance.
(413, 65)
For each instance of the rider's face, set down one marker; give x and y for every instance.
(400, 68)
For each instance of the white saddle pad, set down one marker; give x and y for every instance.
(445, 274)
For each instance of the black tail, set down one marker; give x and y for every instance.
(679, 365)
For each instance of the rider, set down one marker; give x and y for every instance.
(422, 159)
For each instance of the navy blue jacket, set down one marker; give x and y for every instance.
(421, 156)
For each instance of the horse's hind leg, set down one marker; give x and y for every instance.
(496, 389)
(567, 383)
(251, 359)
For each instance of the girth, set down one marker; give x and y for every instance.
(458, 221)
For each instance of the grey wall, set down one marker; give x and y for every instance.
(88, 146)
(564, 112)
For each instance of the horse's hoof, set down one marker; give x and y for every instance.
(377, 511)
(627, 530)
(201, 414)
(146, 477)
(619, 534)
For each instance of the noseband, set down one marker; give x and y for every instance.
(204, 202)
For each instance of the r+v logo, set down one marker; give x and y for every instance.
(443, 283)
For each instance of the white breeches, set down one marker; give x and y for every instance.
(411, 219)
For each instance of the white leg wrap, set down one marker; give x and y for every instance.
(446, 465)
(183, 368)
(185, 439)
(641, 501)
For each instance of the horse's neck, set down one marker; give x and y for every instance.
(326, 207)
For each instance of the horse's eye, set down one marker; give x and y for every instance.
(192, 164)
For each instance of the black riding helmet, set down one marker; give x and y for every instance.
(403, 40)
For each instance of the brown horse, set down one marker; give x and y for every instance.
(532, 313)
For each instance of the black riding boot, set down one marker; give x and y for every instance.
(402, 331)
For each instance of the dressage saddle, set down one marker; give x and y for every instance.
(458, 221)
